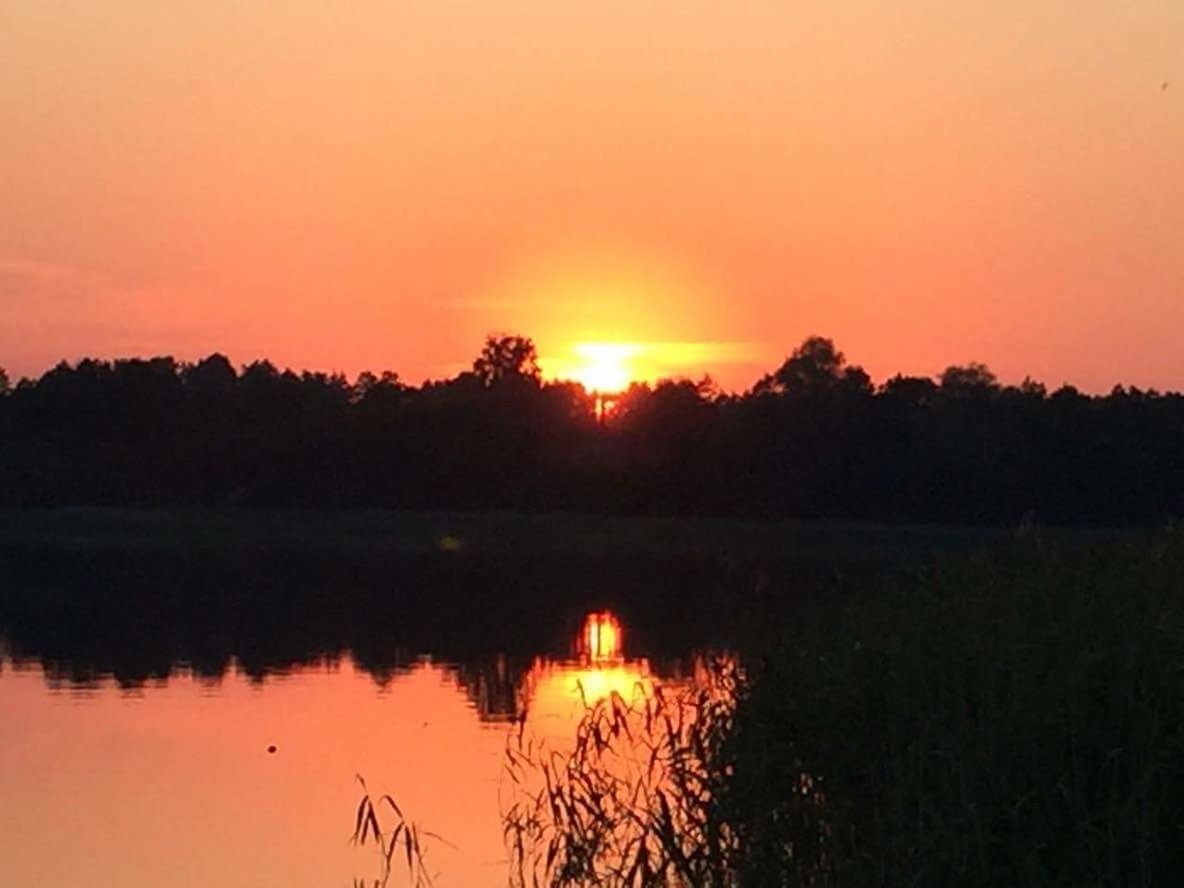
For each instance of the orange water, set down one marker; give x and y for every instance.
(173, 784)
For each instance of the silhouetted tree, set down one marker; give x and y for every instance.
(507, 359)
(4, 384)
(212, 377)
(913, 391)
(385, 387)
(1030, 388)
(813, 439)
(972, 380)
(816, 368)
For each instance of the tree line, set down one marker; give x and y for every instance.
(814, 439)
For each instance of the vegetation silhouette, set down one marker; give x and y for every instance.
(814, 439)
(402, 837)
(1002, 720)
(1045, 750)
(632, 800)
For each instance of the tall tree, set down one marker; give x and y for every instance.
(816, 367)
(972, 380)
(507, 358)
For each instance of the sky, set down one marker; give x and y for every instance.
(344, 186)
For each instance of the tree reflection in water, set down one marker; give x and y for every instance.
(509, 635)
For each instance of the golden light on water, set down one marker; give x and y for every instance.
(556, 693)
(602, 638)
(608, 744)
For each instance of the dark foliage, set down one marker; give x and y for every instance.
(813, 439)
(1004, 720)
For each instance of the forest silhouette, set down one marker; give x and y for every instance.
(814, 439)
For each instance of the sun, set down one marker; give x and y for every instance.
(605, 368)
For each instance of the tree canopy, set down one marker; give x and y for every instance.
(812, 439)
(507, 359)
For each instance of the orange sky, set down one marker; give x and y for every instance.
(379, 184)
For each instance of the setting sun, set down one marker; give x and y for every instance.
(605, 367)
(608, 367)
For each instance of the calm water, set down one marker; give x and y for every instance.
(170, 781)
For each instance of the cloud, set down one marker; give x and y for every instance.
(37, 270)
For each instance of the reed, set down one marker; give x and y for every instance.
(397, 840)
(1015, 719)
(631, 801)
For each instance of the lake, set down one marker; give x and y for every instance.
(150, 661)
(173, 783)
(191, 723)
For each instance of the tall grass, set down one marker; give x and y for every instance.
(1011, 719)
(630, 802)
(1001, 721)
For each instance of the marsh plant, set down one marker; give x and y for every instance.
(396, 839)
(1015, 719)
(632, 800)
(1010, 719)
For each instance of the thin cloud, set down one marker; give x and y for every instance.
(38, 270)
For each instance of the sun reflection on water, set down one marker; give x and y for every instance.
(609, 757)
(432, 733)
(602, 639)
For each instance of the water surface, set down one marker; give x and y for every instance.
(172, 782)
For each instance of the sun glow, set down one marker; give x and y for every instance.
(604, 367)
